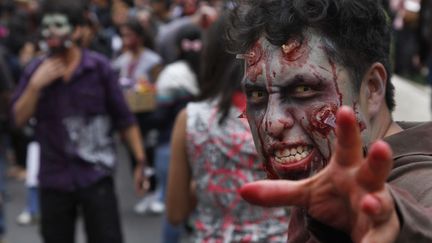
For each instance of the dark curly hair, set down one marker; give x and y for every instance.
(358, 32)
(74, 10)
(139, 30)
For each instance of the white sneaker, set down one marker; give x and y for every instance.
(143, 205)
(157, 207)
(26, 218)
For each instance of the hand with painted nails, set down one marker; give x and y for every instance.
(350, 194)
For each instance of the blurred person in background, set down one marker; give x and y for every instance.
(138, 62)
(76, 100)
(425, 39)
(15, 41)
(176, 86)
(139, 66)
(102, 10)
(165, 40)
(119, 16)
(93, 37)
(161, 11)
(212, 155)
(6, 85)
(405, 24)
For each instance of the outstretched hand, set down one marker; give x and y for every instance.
(350, 194)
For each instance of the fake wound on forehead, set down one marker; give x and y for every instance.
(294, 49)
(253, 56)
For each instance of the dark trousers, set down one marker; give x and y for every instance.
(97, 204)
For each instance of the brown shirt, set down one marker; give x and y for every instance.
(410, 184)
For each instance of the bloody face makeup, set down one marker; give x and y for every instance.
(293, 93)
(56, 31)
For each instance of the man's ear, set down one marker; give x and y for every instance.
(373, 89)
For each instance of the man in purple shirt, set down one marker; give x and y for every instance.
(78, 105)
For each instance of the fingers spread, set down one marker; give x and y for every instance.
(373, 174)
(371, 205)
(381, 212)
(348, 148)
(275, 193)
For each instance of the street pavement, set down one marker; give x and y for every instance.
(412, 104)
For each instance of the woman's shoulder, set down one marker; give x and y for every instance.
(150, 56)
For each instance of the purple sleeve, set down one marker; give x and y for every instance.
(117, 107)
(22, 84)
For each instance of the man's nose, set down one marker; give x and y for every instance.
(277, 119)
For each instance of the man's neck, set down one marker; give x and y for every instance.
(71, 58)
(383, 125)
(70, 55)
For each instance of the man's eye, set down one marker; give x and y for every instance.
(256, 96)
(302, 89)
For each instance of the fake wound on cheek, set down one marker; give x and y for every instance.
(323, 119)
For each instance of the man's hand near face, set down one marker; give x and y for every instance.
(350, 194)
(49, 71)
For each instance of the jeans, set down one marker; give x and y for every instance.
(162, 157)
(33, 200)
(170, 233)
(98, 205)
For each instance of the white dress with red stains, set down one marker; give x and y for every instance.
(222, 159)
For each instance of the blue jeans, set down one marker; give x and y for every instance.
(33, 200)
(162, 157)
(170, 233)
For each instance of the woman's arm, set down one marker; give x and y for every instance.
(179, 200)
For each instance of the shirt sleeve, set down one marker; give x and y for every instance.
(22, 84)
(117, 107)
(411, 189)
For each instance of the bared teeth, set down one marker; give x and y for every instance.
(290, 155)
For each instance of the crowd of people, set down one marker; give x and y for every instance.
(211, 96)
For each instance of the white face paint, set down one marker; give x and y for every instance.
(55, 25)
(56, 31)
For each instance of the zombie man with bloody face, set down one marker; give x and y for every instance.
(319, 102)
(77, 102)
